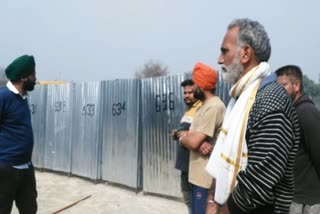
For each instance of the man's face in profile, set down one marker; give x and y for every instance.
(229, 58)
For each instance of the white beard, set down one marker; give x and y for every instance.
(232, 73)
(229, 77)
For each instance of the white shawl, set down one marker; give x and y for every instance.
(230, 154)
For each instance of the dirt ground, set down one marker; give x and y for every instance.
(57, 191)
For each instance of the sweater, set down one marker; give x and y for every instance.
(272, 135)
(16, 135)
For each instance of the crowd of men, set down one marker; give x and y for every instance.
(258, 154)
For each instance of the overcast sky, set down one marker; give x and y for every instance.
(100, 39)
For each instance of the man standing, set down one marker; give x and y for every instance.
(182, 161)
(17, 178)
(306, 199)
(201, 137)
(253, 159)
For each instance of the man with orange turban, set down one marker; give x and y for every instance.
(202, 134)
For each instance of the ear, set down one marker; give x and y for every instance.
(297, 86)
(246, 54)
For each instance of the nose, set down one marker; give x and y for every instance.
(220, 60)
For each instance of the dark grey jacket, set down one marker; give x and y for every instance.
(307, 163)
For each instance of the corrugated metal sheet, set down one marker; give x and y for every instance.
(57, 155)
(38, 105)
(87, 129)
(223, 90)
(120, 149)
(99, 130)
(162, 108)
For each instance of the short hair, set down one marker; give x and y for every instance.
(187, 82)
(252, 33)
(293, 71)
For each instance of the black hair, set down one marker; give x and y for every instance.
(291, 70)
(187, 82)
(14, 81)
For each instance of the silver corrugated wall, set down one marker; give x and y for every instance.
(37, 104)
(223, 90)
(57, 155)
(117, 130)
(120, 147)
(87, 129)
(162, 108)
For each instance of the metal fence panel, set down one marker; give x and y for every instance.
(162, 108)
(120, 148)
(116, 130)
(223, 90)
(57, 155)
(38, 105)
(87, 129)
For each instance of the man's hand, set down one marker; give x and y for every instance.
(182, 134)
(224, 209)
(212, 207)
(205, 148)
(173, 134)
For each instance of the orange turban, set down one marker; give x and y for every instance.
(204, 76)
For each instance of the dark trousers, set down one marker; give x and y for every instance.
(199, 197)
(18, 185)
(186, 188)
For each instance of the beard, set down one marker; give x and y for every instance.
(28, 85)
(232, 73)
(199, 95)
(188, 102)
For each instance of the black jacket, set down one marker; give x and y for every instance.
(307, 163)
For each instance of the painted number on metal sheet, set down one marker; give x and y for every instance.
(33, 108)
(60, 106)
(118, 108)
(164, 102)
(88, 110)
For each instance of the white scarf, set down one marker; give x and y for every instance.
(230, 154)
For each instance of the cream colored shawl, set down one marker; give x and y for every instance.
(230, 154)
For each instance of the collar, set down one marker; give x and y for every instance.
(195, 104)
(268, 79)
(13, 89)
